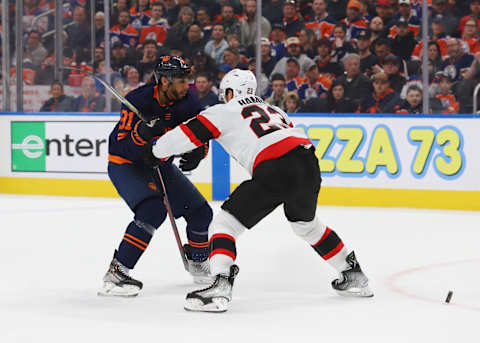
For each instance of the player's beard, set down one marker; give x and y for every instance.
(175, 95)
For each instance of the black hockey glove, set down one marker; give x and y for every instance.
(148, 133)
(190, 160)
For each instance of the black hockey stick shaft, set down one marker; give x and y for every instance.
(127, 103)
(172, 218)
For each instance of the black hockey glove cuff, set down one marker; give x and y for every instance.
(190, 160)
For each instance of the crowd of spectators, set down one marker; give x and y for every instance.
(324, 56)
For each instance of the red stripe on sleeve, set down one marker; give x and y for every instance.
(190, 135)
(208, 124)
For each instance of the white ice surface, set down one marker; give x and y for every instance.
(54, 252)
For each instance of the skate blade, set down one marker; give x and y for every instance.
(217, 305)
(111, 290)
(364, 292)
(203, 280)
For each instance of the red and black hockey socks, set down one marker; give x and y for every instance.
(223, 232)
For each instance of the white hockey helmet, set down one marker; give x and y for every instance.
(241, 82)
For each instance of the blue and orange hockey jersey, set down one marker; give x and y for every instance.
(125, 144)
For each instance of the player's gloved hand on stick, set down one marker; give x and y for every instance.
(149, 134)
(190, 160)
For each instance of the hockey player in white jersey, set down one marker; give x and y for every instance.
(284, 170)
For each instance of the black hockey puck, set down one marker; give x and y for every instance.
(449, 296)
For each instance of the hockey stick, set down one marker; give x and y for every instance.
(127, 103)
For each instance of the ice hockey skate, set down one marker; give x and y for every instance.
(214, 298)
(117, 282)
(353, 283)
(198, 266)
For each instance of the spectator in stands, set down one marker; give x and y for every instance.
(195, 41)
(321, 23)
(123, 31)
(248, 27)
(474, 14)
(268, 62)
(305, 10)
(203, 20)
(382, 50)
(217, 45)
(119, 57)
(59, 102)
(272, 10)
(279, 91)
(341, 44)
(357, 85)
(99, 53)
(34, 49)
(262, 80)
(292, 102)
(392, 65)
(203, 63)
(307, 41)
(334, 102)
(470, 36)
(205, 94)
(278, 37)
(292, 21)
(121, 5)
(457, 59)
(354, 21)
(440, 8)
(413, 102)
(384, 12)
(89, 100)
(233, 41)
(326, 63)
(444, 93)
(178, 32)
(383, 99)
(149, 59)
(314, 85)
(407, 15)
(404, 42)
(229, 21)
(172, 11)
(292, 74)
(367, 59)
(337, 8)
(377, 29)
(294, 51)
(133, 80)
(156, 27)
(78, 39)
(435, 55)
(99, 29)
(466, 87)
(140, 14)
(31, 10)
(231, 56)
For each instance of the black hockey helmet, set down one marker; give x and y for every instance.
(170, 67)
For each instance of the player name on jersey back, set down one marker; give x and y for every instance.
(250, 100)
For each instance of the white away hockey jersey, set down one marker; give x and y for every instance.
(249, 129)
